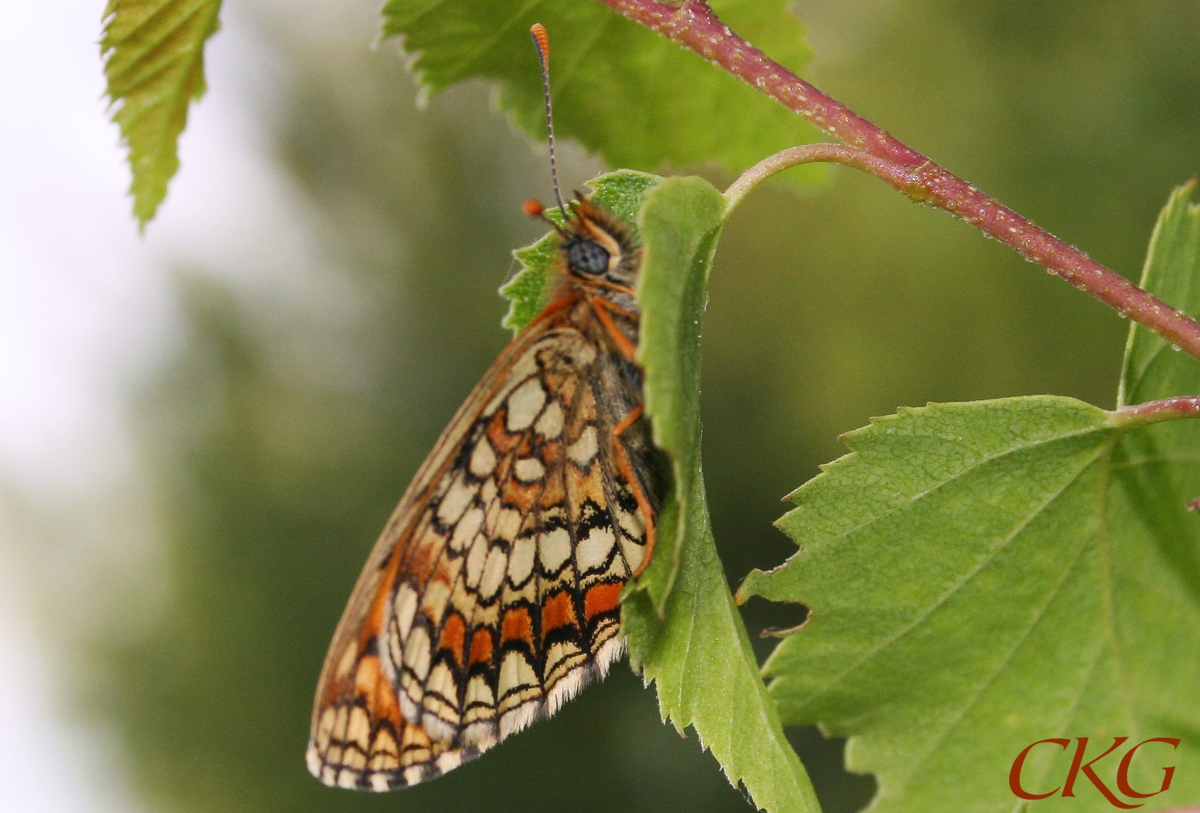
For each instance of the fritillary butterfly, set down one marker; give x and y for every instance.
(492, 595)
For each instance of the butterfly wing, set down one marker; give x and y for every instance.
(492, 595)
(360, 739)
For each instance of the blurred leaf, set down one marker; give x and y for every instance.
(154, 62)
(985, 575)
(621, 90)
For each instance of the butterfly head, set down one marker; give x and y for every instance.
(597, 248)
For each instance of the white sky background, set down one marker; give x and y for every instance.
(87, 314)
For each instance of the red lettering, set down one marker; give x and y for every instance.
(1014, 775)
(1127, 760)
(1079, 765)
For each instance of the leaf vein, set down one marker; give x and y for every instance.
(1017, 644)
(950, 592)
(909, 500)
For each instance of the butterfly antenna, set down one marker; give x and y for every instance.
(541, 43)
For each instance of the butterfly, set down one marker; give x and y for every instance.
(493, 594)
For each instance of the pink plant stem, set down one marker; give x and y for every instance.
(898, 176)
(1168, 409)
(694, 26)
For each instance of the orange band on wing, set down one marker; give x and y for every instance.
(373, 623)
(517, 626)
(602, 598)
(557, 611)
(481, 647)
(454, 636)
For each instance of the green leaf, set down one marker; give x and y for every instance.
(1156, 541)
(683, 629)
(693, 645)
(682, 222)
(982, 576)
(1153, 369)
(622, 91)
(154, 63)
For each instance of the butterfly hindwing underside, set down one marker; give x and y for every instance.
(492, 595)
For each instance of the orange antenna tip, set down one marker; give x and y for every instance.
(541, 42)
(538, 31)
(533, 207)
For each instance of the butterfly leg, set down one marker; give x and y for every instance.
(604, 310)
(635, 485)
(602, 307)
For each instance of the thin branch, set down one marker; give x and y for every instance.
(694, 26)
(897, 175)
(1168, 409)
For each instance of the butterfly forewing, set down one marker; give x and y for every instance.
(492, 595)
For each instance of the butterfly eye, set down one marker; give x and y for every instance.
(587, 256)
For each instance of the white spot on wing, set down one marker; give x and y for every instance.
(478, 691)
(483, 459)
(441, 680)
(455, 501)
(631, 523)
(313, 759)
(550, 424)
(349, 659)
(359, 730)
(437, 596)
(416, 652)
(525, 367)
(466, 528)
(482, 733)
(554, 548)
(437, 728)
(524, 405)
(493, 574)
(584, 449)
(339, 726)
(515, 673)
(529, 469)
(634, 553)
(508, 525)
(449, 761)
(520, 560)
(475, 561)
(406, 608)
(592, 552)
(408, 706)
(324, 729)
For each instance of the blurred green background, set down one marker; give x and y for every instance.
(285, 428)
